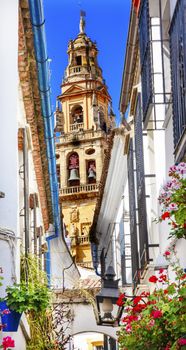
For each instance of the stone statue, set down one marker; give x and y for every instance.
(74, 215)
(82, 22)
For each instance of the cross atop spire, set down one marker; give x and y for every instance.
(82, 22)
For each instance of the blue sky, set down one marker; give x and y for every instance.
(106, 22)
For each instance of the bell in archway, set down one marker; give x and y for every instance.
(91, 174)
(73, 175)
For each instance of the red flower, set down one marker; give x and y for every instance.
(153, 279)
(162, 278)
(8, 342)
(156, 314)
(151, 302)
(145, 294)
(136, 300)
(167, 253)
(161, 271)
(165, 215)
(121, 300)
(182, 341)
(183, 276)
(139, 308)
(165, 291)
(6, 312)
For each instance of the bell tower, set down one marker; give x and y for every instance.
(84, 118)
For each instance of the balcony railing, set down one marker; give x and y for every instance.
(78, 69)
(82, 240)
(82, 135)
(77, 127)
(85, 264)
(79, 189)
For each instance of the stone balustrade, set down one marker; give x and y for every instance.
(79, 189)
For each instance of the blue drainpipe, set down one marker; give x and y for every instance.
(38, 26)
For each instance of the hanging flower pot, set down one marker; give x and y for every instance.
(11, 319)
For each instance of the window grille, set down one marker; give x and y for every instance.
(132, 210)
(178, 69)
(145, 56)
(140, 186)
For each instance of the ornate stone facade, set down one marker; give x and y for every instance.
(84, 119)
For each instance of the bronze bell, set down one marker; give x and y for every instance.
(91, 174)
(73, 175)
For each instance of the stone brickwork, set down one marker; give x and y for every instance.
(32, 104)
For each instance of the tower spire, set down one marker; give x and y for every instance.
(82, 22)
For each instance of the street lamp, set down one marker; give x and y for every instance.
(109, 313)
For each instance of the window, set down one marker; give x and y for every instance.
(178, 69)
(78, 60)
(140, 187)
(145, 56)
(132, 210)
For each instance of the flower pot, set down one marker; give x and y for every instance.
(11, 320)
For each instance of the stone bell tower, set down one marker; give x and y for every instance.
(84, 118)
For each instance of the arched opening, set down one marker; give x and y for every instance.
(91, 171)
(93, 341)
(76, 115)
(73, 169)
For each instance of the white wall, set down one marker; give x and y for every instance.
(113, 192)
(85, 321)
(8, 113)
(61, 265)
(9, 210)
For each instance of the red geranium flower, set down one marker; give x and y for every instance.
(183, 276)
(182, 341)
(167, 253)
(156, 314)
(136, 300)
(165, 291)
(162, 278)
(139, 308)
(153, 279)
(121, 300)
(8, 342)
(165, 215)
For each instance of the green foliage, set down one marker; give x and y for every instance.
(32, 294)
(1, 279)
(42, 336)
(156, 321)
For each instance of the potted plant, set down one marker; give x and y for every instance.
(32, 294)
